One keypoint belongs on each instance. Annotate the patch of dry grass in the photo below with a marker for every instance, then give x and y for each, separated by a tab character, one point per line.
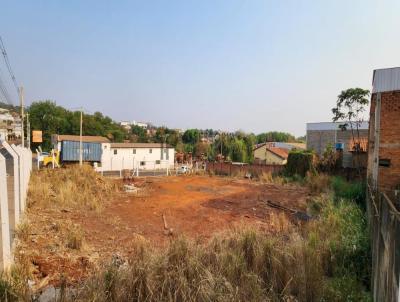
74	237
318	182
244	264
268	177
73	186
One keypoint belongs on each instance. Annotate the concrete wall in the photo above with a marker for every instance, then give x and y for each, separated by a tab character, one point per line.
15	170
319	140
116	159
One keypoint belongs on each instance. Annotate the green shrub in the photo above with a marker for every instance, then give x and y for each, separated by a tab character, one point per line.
354	191
346	288
300	162
343	235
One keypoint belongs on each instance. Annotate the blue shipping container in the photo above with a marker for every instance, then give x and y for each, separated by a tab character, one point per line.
90	151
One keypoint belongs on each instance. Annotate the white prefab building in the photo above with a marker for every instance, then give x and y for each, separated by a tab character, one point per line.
142	156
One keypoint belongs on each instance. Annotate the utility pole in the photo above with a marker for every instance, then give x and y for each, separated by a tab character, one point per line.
21	102
221	143
28	131
80	140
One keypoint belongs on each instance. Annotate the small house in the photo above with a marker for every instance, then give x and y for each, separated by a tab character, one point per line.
268	154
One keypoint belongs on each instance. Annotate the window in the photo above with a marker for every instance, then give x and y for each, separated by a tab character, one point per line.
165	150
384	162
134	151
158	162
150	151
115	151
142	163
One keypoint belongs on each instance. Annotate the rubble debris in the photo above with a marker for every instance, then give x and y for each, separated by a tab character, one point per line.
130	188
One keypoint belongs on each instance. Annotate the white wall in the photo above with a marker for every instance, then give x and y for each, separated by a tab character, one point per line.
126	159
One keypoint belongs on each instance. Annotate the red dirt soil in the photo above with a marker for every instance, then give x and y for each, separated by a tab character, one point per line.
194	206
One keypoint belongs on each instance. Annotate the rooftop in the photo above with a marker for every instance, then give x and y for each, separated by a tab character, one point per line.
334	126
386	79
85	138
281	152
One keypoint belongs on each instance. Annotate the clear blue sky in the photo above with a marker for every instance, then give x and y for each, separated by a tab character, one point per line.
250	65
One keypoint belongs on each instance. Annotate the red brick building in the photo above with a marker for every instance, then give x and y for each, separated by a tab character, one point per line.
384	130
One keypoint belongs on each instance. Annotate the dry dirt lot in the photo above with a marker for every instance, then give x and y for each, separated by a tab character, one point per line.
194	206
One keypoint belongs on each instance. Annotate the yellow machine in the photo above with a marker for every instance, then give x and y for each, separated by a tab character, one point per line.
54	156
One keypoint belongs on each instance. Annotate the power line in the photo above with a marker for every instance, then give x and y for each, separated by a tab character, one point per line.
4	52
4	92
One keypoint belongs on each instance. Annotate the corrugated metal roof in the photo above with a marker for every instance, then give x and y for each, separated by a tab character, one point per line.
333	126
387	79
139	145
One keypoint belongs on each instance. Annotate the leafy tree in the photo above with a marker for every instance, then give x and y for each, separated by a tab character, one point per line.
275	136
301	139
201	149
238	150
250	140
350	105
174	138
191	136
53	119
49	118
140	134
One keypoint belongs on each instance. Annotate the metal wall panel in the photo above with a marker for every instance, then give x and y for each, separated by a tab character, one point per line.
386	80
90	151
324	126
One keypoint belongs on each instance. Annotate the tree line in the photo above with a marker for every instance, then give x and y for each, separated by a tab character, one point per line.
207	143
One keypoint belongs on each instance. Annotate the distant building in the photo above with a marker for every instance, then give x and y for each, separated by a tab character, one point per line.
17	126
10	125
140	124
126	125
322	135
144	156
268	154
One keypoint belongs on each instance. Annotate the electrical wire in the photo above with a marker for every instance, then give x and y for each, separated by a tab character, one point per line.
4	92
10	71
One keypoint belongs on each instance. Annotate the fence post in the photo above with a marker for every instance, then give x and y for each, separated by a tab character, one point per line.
5	251
21	178
13	183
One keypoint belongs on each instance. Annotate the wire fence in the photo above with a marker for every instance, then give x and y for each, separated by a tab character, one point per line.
15	170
